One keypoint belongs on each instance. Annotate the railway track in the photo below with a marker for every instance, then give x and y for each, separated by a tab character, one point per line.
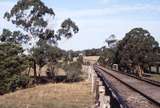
156	83
136	93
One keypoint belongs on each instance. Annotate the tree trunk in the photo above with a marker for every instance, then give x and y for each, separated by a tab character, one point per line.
39	73
29	70
140	71
52	71
35	72
157	69
149	69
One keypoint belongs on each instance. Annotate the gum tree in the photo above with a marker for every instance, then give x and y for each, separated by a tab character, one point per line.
136	49
32	17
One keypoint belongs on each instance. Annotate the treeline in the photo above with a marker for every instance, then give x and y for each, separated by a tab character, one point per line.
30	16
87	52
93	52
135	53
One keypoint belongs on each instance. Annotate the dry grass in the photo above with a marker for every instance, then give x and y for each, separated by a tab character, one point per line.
75	95
155	77
91	59
58	71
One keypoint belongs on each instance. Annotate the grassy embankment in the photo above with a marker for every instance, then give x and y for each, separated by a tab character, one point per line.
155	77
74	95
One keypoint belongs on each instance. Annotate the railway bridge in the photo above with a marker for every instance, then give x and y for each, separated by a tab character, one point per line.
128	91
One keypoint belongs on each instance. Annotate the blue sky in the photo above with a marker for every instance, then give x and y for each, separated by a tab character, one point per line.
98	19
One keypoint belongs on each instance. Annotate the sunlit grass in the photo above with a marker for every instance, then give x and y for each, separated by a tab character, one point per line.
75	95
155	77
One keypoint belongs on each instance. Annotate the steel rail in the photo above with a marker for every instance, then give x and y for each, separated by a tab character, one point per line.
117	100
131	87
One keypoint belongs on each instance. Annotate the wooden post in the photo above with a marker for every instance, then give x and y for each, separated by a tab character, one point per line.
149	69
102	101
90	72
102	97
97	91
106	102
157	69
93	82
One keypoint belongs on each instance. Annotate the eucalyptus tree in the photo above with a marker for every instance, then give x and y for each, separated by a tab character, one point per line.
32	16
108	55
15	37
46	55
111	41
135	50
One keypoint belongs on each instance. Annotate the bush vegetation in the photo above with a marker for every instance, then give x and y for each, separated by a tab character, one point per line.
73	71
30	17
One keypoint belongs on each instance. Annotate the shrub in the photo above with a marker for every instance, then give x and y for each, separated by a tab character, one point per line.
12	64
73	71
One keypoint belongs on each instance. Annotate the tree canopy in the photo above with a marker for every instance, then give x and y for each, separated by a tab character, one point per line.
15	37
32	16
111	41
108	53
136	48
12	65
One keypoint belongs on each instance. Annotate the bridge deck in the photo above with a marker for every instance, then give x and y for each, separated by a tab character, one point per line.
133	98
